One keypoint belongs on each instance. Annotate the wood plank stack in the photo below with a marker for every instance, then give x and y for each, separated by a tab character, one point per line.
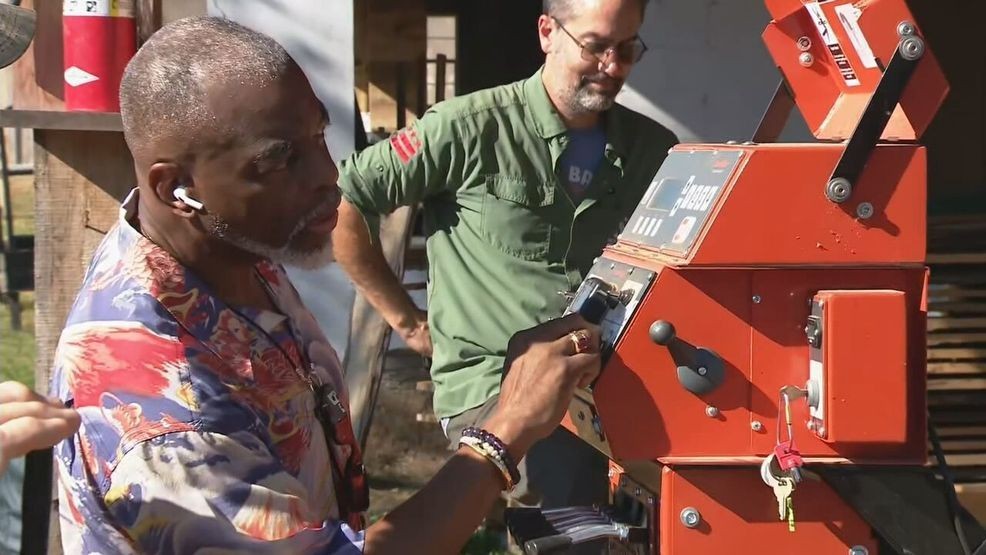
957	341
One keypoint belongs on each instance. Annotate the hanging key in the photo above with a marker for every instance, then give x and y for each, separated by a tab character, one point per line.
790	515
782	491
788	457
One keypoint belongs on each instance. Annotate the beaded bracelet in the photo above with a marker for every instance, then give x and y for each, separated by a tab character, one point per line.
499	448
489	453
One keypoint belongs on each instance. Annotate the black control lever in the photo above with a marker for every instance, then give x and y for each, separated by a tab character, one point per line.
541	532
595	306
700	370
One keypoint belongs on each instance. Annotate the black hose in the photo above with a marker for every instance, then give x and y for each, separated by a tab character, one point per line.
950	494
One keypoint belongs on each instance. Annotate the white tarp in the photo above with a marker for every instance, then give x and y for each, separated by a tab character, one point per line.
319	36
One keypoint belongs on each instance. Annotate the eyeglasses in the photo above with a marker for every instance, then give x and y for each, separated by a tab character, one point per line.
628	52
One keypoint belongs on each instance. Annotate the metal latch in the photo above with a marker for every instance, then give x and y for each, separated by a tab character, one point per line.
814	331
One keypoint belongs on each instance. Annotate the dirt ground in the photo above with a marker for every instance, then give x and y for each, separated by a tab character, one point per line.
402	454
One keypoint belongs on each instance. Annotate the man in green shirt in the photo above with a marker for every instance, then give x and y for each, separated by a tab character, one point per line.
522	186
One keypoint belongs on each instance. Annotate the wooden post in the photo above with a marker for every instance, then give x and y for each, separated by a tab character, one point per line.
369	334
80	179
82	170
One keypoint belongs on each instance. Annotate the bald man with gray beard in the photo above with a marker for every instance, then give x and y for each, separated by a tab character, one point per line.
214	412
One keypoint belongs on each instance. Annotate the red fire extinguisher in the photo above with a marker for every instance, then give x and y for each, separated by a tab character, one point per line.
100	37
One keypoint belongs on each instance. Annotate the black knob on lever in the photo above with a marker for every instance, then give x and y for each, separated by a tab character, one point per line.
700	370
662	332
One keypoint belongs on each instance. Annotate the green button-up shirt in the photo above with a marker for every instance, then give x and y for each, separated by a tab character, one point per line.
503	235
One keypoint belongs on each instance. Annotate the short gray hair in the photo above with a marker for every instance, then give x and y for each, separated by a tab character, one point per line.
563	9
163	90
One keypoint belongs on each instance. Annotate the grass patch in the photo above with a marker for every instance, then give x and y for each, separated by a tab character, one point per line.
22	200
17	347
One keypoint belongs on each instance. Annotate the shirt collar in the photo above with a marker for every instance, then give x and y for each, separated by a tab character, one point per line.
546	119
173	285
550	125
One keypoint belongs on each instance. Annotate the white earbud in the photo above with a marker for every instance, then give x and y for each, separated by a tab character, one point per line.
182	194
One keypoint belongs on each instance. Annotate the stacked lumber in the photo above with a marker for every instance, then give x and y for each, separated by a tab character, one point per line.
957	341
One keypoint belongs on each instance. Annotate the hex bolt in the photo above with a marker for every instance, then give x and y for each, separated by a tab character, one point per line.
912	48
864	211
690	517
806	59
905	28
711	412
838	190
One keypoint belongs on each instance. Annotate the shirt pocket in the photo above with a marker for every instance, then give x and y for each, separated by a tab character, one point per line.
515	216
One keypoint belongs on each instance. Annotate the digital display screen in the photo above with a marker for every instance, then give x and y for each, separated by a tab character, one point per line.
679	201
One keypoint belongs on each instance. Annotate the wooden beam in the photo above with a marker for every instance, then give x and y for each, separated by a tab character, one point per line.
80	179
148	19
369	334
952	384
952	323
51	119
935	339
957	354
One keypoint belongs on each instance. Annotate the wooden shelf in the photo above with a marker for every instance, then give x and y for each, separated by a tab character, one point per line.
69	121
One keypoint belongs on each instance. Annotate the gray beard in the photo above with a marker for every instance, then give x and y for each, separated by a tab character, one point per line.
305	260
584	101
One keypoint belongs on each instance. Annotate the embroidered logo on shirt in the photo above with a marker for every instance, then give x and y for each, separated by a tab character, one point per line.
406	145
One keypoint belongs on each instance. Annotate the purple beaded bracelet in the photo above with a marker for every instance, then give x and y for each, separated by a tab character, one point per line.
495	443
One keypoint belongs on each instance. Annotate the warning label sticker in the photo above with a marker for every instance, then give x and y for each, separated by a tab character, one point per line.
849	16
832	42
76	76
99	8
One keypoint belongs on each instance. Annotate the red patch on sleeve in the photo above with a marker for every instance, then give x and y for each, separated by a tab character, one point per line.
406	145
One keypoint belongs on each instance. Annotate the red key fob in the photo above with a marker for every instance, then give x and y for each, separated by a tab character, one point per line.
788	456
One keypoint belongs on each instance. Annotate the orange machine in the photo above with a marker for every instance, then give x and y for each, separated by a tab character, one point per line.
763	294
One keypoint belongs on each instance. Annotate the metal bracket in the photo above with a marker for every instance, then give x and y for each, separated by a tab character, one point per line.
776	116
875	117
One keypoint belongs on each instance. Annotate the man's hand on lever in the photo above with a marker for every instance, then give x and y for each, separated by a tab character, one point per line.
544	366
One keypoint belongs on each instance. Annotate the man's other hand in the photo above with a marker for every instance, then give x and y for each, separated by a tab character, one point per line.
416	334
28	422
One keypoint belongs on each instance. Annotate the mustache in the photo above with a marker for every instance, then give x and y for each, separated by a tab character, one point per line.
319	212
601	79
